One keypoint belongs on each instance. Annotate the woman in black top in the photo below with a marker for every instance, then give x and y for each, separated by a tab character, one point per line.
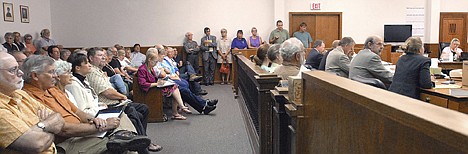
412	70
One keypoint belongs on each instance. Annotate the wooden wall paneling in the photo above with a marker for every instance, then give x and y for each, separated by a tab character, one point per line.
325	26
453	25
433	48
372	120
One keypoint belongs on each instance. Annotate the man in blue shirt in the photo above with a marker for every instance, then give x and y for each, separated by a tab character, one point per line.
303	35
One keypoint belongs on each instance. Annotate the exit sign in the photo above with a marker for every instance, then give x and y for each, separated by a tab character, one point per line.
315	6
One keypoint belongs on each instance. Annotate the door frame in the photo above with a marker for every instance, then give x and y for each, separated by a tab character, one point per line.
339	14
463	15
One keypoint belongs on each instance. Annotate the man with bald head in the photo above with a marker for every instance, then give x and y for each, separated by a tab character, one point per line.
367	62
27	125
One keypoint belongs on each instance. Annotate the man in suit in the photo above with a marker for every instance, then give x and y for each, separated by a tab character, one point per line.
315	56
338	59
209	53
367	62
325	55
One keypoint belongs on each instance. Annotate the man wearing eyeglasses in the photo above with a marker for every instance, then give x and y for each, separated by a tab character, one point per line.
367	62
208	49
27	125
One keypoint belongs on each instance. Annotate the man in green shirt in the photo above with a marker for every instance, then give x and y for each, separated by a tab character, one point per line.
303	35
279	35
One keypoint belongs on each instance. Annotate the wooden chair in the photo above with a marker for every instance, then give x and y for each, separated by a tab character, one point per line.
153	98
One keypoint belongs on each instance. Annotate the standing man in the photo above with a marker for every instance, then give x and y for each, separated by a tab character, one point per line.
339	58
208	49
367	62
303	35
279	35
315	56
192	49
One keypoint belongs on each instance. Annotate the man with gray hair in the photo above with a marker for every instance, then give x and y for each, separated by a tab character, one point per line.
192	49
44	42
27	125
339	58
367	62
292	51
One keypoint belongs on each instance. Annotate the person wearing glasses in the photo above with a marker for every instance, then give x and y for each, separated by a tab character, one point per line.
28	41
208	49
9	42
367	62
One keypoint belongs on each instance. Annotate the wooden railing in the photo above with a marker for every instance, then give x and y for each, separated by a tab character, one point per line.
254	85
338	115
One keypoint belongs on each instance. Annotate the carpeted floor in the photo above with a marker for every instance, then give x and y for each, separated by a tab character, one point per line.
221	132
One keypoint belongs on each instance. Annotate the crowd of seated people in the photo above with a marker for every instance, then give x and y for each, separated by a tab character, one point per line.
64	90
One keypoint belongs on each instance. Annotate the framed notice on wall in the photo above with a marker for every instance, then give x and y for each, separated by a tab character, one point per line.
24	13
8	14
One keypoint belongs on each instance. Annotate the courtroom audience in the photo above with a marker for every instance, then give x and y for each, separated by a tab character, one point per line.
28	41
325	55
192	49
279	35
17	41
367	62
303	35
29	126
412	70
9	42
124	62
19	56
315	55
209	56
448	52
260	58
275	58
224	54
339	58
115	78
254	41
239	42
293	55
45	41
79	128
63	72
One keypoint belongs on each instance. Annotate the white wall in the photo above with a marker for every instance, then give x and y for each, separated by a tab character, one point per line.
88	23
39	12
361	18
453	6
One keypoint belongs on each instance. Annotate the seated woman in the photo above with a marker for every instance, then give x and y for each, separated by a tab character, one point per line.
148	77
239	42
412	70
261	58
447	53
115	78
275	58
254	41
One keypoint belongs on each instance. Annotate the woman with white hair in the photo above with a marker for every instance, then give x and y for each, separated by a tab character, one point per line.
63	72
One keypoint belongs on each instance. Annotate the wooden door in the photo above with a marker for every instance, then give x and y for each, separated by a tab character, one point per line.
325	26
453	25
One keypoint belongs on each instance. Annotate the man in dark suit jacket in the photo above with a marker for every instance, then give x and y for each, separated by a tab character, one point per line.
209	53
315	56
367	62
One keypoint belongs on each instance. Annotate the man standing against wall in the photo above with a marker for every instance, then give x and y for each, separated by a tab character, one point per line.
208	48
303	35
192	49
279	35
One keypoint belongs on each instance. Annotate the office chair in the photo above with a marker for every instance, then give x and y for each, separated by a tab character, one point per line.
442	45
370	81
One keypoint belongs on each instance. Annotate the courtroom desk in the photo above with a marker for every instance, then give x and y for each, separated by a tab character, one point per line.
451	65
445	98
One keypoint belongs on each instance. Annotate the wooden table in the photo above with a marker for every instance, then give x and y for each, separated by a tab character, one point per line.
451	65
445	98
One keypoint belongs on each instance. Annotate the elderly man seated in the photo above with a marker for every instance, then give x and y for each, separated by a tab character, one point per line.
367	62
293	55
339	58
40	78
27	126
